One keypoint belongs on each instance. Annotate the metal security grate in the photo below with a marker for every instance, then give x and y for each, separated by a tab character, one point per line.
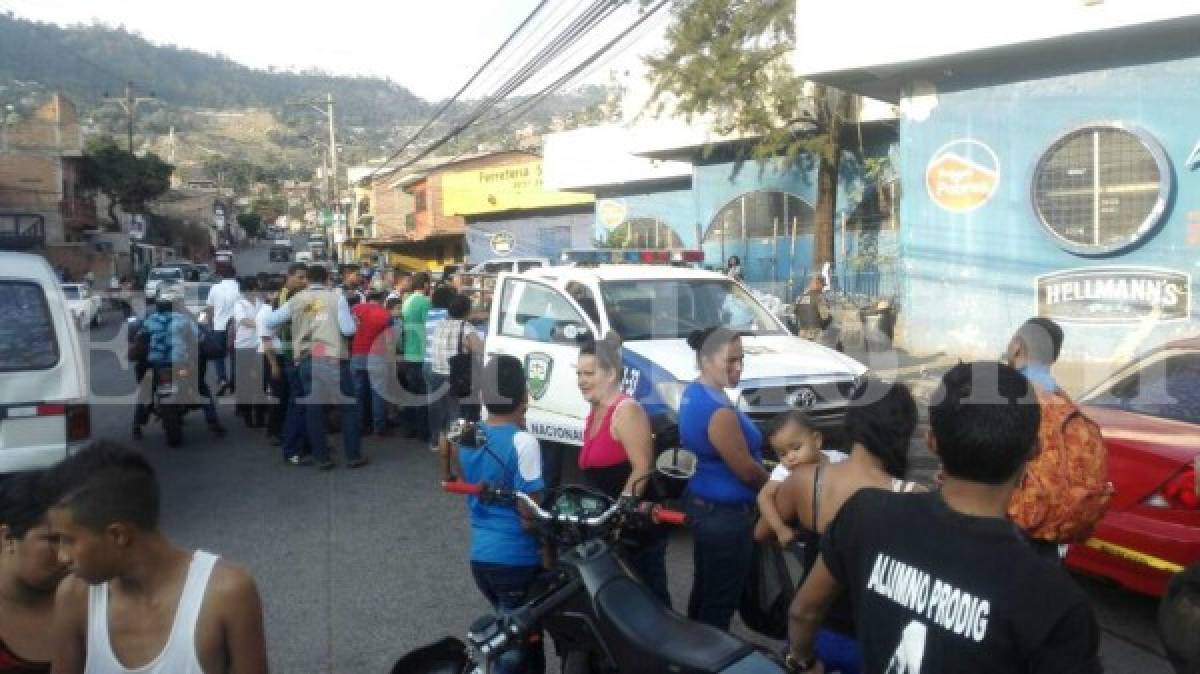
1100	188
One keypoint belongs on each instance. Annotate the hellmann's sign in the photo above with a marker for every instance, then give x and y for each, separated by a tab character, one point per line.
1115	295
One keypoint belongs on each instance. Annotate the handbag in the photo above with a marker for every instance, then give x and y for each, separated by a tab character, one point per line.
462	366
775	575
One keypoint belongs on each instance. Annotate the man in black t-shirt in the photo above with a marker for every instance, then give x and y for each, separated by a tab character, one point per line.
943	583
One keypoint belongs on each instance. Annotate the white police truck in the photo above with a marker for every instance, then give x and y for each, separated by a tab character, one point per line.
542	315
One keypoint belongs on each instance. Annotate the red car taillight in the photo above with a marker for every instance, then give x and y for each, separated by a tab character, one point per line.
1181	492
79	422
78	417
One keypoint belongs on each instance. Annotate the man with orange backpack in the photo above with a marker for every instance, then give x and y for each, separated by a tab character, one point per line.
1065	490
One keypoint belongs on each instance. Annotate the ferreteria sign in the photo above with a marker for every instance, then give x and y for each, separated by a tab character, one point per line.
504	188
1115	295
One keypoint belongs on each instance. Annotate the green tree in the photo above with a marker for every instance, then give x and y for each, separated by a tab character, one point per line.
729	59
127	180
251	223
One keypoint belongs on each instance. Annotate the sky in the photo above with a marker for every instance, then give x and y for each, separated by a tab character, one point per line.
429	47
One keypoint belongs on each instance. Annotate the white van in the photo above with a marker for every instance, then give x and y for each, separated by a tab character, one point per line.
44	408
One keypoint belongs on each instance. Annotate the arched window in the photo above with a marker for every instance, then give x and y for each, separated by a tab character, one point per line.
760	215
643	233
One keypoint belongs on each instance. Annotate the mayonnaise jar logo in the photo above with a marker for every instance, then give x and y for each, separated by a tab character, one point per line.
962	175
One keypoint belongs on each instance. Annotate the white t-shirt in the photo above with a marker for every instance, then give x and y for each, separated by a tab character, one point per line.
246	336
262	332
223	299
781	472
529	456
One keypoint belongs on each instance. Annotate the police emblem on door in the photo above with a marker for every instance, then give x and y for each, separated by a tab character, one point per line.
802	398
537	371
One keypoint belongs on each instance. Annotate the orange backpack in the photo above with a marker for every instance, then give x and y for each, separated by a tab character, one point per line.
1065	490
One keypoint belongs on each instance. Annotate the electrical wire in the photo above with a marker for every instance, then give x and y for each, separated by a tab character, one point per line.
450	101
599	11
527	106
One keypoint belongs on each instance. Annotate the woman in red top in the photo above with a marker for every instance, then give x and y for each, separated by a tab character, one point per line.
29	575
368	358
617	457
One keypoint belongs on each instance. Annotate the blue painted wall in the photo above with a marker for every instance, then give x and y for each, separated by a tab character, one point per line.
535	235
779	264
969	277
671	203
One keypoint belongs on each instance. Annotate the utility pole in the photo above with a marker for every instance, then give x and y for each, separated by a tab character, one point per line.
332	148
129	103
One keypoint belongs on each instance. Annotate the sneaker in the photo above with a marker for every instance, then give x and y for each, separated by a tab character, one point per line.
326	465
300	460
359	462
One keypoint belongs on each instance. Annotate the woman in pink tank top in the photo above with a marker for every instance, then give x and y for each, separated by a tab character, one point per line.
618	451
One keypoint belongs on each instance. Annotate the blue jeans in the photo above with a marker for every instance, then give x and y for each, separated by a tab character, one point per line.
295	433
327	381
722	552
220	360
365	394
443	407
505	588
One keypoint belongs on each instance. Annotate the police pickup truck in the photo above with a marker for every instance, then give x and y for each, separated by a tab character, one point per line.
542	316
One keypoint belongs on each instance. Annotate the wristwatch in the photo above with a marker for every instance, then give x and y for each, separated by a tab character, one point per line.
799	666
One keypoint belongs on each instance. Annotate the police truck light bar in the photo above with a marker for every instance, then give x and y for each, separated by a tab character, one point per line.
632	256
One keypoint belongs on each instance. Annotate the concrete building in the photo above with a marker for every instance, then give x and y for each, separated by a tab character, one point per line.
1048	153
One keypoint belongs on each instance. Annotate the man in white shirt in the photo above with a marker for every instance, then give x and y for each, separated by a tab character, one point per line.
222	300
247	359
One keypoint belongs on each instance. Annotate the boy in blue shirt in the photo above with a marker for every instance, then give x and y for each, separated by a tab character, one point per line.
505	555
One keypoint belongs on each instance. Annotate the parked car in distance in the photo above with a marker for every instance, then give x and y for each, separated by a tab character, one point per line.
195	297
170	274
510	264
1149	414
44	410
83	305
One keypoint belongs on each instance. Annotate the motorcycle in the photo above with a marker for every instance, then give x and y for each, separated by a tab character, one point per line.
174	389
600	618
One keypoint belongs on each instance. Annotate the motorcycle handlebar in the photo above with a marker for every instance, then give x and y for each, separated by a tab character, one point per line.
464	488
657	513
663	515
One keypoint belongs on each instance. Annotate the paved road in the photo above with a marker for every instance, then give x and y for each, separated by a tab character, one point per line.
357	567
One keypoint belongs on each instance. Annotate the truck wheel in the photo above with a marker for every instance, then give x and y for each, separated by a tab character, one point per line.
172	420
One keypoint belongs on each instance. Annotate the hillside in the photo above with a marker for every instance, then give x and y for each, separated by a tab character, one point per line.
218	108
87	61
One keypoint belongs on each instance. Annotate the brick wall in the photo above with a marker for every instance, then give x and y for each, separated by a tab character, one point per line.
390	206
437	223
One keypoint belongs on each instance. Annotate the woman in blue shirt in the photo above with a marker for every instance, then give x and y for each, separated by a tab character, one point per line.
729	473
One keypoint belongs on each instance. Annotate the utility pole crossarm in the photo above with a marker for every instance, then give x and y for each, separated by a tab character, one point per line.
129	104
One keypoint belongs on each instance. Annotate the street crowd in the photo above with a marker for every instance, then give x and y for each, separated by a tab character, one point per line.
963	575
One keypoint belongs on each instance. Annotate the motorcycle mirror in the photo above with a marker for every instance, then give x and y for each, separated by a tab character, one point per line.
676	463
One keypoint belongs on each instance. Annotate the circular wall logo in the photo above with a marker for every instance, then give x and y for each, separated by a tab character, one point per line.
611	212
962	175
503	242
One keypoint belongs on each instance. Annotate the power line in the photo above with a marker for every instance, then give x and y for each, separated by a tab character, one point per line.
450	101
549	89
599	11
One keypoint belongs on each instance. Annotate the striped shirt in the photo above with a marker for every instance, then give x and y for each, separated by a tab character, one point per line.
433	319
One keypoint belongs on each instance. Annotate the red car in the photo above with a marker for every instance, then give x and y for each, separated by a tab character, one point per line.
1149	413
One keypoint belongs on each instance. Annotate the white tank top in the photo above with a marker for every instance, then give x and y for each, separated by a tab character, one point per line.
178	656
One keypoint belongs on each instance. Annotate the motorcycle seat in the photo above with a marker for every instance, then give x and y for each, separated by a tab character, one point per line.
648	626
